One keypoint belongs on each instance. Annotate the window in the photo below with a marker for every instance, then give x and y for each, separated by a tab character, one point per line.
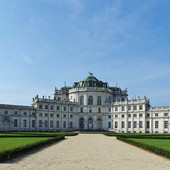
71	124
109	124
40	114
156	114
81	109
148	115
134	115
15	122
90	110
109	98
58	115
51	124
15	112
129	124
64	124
116	108
40	106
71	116
33	123
123	99
135	124
123	108
123	124
140	107
51	115
140	115
99	100
140	124
46	114
156	124
99	110
129	115
58	107
165	124
123	116
82	100
135	107
109	109
64	108
46	123
40	123
24	123
51	107
129	107
165	114
25	113
57	124
71	109
116	124
64	115
33	113
116	116
148	124
46	106
90	100
109	116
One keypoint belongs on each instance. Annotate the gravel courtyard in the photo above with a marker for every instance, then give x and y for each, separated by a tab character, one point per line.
89	151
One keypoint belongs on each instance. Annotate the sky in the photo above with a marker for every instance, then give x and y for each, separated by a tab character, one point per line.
44	43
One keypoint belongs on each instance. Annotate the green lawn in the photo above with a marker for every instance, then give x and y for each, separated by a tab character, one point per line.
160	143
12	143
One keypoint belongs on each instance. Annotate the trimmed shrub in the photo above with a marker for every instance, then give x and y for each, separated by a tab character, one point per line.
153	149
8	154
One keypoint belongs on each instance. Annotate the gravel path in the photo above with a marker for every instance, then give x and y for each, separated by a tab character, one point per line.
89	151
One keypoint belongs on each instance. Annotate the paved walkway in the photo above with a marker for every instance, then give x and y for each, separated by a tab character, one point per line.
89	151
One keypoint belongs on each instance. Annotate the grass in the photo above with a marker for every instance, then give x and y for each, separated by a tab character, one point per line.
12	143
160	143
156	143
10	147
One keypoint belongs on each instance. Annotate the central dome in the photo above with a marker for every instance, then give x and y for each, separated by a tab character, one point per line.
90	81
91	78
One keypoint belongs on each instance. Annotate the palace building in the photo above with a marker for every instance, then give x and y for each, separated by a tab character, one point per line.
89	104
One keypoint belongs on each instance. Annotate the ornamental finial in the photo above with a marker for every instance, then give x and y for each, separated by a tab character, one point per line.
91	74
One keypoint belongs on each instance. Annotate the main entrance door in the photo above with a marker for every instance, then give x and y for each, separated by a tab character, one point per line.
81	123
90	123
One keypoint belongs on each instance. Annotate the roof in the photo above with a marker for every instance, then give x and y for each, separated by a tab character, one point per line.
7	106
90	81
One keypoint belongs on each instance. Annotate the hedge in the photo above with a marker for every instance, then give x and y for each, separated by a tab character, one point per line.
141	136
35	134
153	149
11	153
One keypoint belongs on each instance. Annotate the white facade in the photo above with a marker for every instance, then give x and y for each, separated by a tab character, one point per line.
89	105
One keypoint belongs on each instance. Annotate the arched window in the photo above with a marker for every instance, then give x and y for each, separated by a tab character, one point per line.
82	100
99	110
99	100
90	100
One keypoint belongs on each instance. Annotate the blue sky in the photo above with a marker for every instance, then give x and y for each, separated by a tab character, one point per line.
44	43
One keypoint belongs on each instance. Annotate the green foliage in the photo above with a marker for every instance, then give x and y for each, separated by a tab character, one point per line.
10	153
160	143
145	146
36	134
141	136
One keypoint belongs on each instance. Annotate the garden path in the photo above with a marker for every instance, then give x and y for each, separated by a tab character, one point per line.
89	151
